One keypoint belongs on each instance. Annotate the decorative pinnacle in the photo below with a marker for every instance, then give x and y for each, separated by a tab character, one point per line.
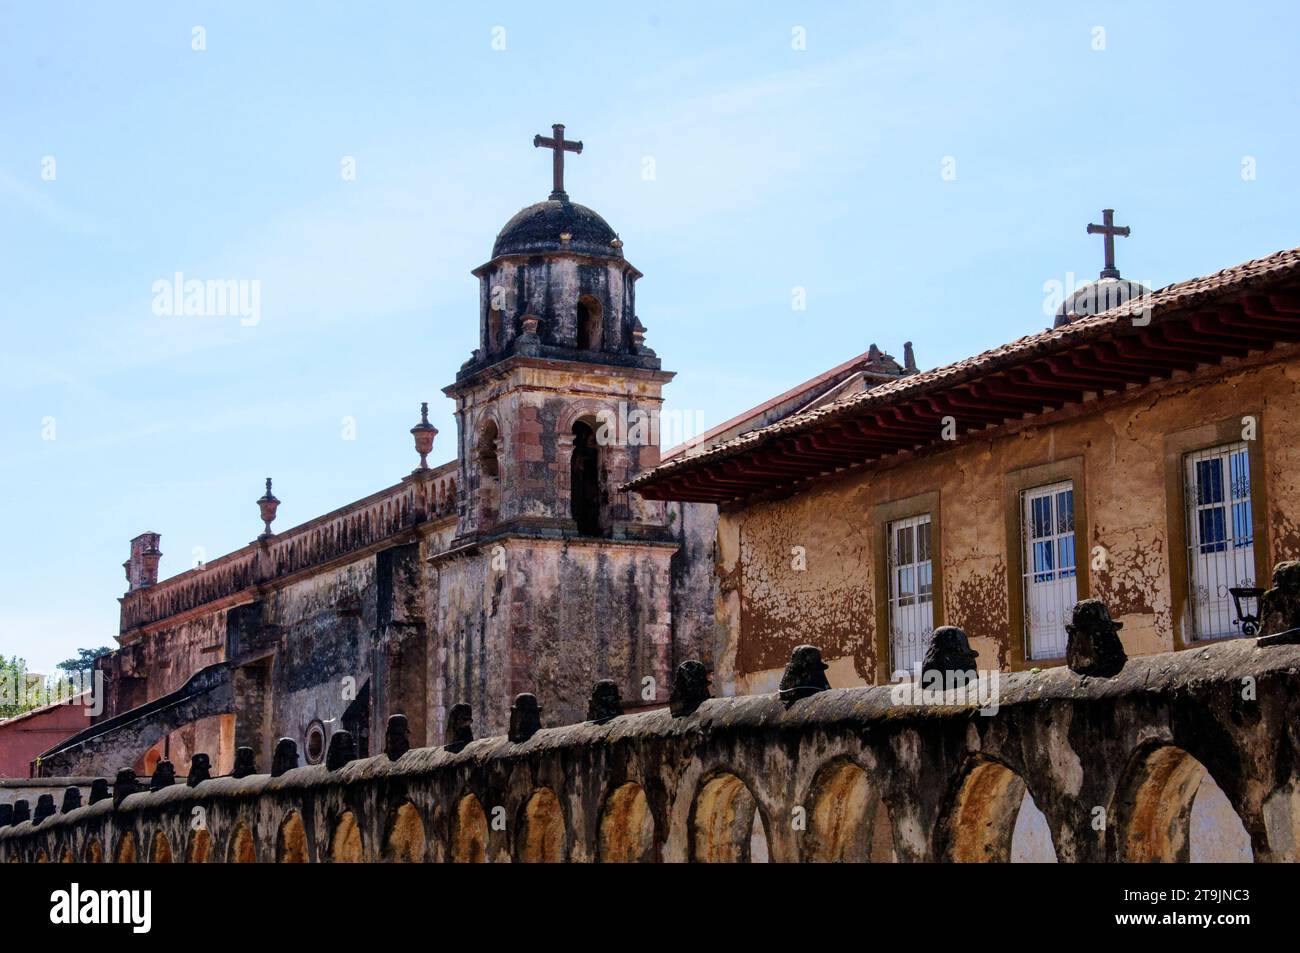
267	505
424	432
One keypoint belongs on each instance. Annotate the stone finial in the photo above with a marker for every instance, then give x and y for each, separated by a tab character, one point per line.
949	653
605	702
460	727
200	769
267	504
245	763
6	815
99	790
525	717
1093	646
44	808
909	358
805	674
342	750
1279	607
124	785
164	775
690	688
285	757
71	800
22	812
424	432
397	736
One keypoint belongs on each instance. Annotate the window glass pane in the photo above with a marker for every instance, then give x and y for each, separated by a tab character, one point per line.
1209	481
905	545
1240	475
923	573
1065	512
1065	552
1042	517
1213	530
923	542
1241	525
1042	561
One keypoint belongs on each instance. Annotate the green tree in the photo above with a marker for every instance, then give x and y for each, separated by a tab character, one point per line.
15	696
85	660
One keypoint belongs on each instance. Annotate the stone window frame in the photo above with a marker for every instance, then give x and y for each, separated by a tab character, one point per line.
1176	447
1014	484
881	515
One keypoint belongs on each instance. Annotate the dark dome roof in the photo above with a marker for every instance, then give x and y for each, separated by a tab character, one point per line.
538	229
1094	297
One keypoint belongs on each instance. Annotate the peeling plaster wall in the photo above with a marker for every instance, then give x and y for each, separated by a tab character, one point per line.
766	607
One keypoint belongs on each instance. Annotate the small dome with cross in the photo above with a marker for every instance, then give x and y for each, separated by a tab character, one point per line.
1109	290
1094	297
557	225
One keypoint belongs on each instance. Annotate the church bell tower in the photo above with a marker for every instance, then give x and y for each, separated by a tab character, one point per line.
556	577
558	406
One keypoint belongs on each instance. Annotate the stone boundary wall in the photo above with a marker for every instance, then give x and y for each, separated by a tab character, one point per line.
844	774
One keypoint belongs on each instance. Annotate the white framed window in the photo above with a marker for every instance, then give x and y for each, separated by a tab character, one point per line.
1220	536
911	592
1049	575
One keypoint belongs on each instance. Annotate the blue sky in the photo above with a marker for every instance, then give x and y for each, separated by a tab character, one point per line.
775	168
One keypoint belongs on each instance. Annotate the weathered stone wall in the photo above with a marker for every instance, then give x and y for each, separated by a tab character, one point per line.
696	635
1123	447
532	407
550	616
150	666
1113	765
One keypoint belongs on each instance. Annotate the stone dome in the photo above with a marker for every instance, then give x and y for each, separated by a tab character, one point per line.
1094	297
542	228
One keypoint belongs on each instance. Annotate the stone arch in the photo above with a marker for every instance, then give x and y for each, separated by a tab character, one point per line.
345	843
726	825
243	850
94	853
1156	817
487	452
541	829
495	330
627	827
590	324
991	817
291	847
848	820
469	836
405	843
160	851
199	848
586	479
125	853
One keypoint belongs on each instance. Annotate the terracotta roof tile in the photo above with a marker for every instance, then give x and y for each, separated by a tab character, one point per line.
1161	303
